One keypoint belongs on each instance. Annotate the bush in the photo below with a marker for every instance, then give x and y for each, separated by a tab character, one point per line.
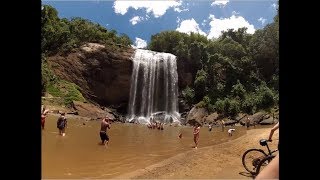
234	108
211	108
219	105
201	104
205	103
249	104
188	94
238	90
265	97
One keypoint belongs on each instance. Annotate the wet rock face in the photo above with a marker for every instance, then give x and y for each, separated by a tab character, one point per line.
102	74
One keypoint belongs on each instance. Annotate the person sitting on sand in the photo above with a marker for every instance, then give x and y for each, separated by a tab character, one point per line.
230	131
103	131
62	124
196	131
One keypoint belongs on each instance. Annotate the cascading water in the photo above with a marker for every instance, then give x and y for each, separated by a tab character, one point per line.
154	88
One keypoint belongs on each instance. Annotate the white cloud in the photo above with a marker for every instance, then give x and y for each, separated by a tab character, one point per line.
178	9
178	20
262	20
136	19
234	22
220	3
140	43
204	22
158	8
190	25
211	16
235	13
274	5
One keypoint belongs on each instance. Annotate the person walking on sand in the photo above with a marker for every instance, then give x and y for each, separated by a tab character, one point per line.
196	131
44	113
103	131
62	124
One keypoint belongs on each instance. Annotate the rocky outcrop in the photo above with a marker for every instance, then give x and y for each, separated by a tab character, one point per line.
211	118
197	114
267	121
102	73
91	111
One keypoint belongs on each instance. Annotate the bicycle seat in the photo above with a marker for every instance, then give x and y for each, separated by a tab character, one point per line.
263	142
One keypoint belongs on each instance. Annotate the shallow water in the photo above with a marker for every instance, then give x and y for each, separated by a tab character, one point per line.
131	147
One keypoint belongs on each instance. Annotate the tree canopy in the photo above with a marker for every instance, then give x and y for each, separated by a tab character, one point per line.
237	72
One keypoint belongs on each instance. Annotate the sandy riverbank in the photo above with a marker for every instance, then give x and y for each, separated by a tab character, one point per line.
222	161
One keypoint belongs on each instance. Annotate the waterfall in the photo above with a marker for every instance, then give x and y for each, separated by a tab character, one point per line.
154	88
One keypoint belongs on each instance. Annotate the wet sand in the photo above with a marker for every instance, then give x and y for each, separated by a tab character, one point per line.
222	161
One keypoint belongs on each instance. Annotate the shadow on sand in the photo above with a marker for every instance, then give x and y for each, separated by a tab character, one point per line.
247	174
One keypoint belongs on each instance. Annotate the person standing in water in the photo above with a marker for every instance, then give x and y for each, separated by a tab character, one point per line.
247	122
103	131
44	113
62	124
196	131
222	125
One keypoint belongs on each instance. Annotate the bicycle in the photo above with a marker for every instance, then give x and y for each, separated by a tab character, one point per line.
254	160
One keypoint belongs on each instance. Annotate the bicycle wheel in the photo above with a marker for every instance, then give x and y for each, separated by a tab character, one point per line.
251	159
263	163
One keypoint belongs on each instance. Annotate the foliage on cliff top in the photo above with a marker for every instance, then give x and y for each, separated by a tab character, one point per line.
64	35
237	72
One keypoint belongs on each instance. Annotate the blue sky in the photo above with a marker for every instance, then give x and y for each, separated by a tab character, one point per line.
144	18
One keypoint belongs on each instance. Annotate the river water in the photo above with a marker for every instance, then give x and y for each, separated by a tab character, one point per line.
131	147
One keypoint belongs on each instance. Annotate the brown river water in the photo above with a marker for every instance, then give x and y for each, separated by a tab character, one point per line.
131	147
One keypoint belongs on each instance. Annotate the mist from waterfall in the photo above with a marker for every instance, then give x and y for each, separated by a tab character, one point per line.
154	88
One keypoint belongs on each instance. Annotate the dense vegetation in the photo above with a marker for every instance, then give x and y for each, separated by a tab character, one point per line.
64	35
238	72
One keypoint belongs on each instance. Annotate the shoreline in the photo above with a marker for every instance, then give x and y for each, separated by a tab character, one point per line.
218	161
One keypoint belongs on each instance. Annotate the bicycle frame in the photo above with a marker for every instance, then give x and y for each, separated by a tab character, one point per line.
269	151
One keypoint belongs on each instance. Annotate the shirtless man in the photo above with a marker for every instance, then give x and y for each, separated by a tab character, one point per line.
196	131
103	131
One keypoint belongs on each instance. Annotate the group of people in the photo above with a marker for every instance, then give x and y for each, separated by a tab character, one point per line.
156	125
62	124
